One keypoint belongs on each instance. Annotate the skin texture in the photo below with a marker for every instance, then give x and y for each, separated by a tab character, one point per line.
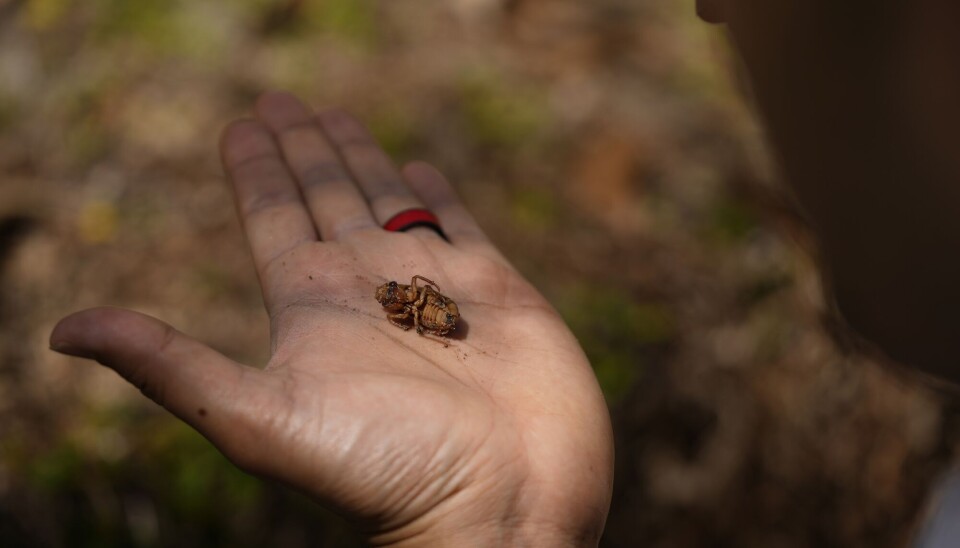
860	103
500	437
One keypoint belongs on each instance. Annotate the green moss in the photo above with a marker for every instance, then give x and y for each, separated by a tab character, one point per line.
45	14
212	279
163	27
185	486
759	289
193	476
500	114
150	21
56	469
352	21
617	333
534	208
393	129
731	221
86	142
8	112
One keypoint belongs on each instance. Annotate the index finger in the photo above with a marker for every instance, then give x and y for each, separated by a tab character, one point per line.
274	216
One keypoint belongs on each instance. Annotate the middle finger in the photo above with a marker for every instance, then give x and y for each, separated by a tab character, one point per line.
336	204
374	171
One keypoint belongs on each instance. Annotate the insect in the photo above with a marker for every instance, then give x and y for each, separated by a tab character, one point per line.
431	310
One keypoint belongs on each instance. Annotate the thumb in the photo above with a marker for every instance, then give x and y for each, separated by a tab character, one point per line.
191	380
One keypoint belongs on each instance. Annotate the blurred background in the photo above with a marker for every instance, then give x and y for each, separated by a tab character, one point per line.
607	148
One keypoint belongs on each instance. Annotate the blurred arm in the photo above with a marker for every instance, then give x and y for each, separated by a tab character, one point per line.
861	103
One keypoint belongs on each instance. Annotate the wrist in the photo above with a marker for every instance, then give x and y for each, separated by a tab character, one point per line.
493	534
571	518
574	522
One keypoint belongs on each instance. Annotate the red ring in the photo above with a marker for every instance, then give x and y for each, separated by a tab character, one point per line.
412	218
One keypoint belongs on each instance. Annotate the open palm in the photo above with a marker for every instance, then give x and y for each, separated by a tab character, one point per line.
496	434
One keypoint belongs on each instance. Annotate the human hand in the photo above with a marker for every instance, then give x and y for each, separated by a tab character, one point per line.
497	437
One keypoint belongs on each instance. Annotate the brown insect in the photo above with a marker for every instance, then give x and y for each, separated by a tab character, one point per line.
431	310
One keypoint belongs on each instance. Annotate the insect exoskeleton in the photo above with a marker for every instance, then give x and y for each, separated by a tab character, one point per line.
431	310
440	314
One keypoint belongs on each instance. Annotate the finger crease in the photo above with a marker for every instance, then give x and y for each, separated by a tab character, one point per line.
343	228
270	200
353	143
256	158
303	125
268	263
169	335
386	190
326	172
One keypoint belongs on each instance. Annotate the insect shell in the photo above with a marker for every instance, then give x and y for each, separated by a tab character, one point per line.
431	311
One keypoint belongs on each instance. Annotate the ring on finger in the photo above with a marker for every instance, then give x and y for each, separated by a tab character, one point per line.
414	218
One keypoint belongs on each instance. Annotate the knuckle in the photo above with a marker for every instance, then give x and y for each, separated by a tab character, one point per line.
245	140
151	388
323	173
255	163
303	129
168	336
145	376
269	199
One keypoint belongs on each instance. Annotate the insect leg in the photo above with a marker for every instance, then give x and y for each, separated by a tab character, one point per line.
395	319
421	298
416	320
431	282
